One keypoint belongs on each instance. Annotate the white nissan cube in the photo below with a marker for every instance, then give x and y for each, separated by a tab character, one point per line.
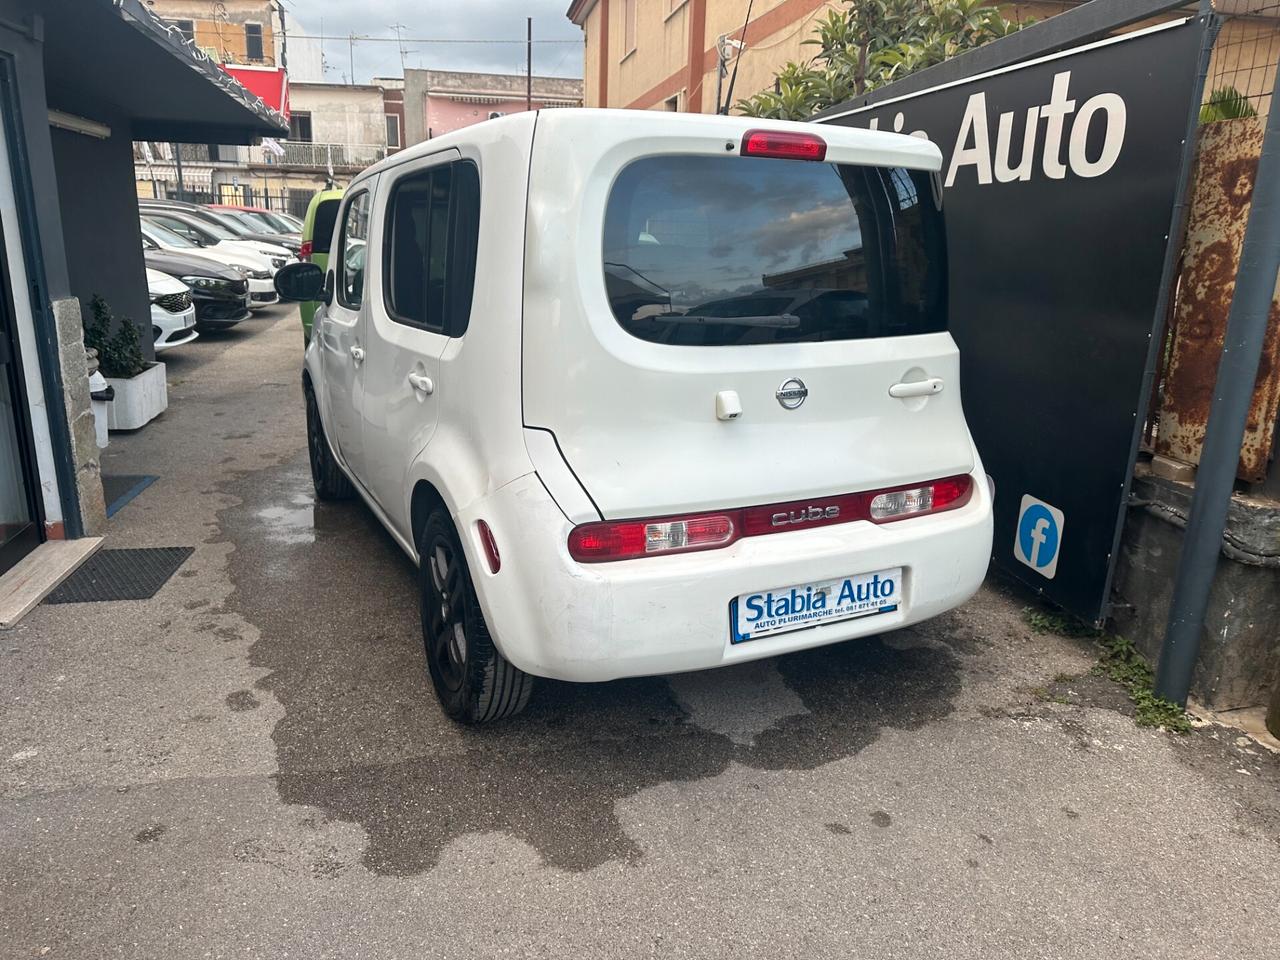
643	393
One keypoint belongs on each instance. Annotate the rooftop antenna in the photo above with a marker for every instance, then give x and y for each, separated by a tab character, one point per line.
397	27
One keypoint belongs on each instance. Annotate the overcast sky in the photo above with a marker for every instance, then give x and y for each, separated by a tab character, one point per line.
442	20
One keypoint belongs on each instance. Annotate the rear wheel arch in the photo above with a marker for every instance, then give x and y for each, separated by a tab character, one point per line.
425	498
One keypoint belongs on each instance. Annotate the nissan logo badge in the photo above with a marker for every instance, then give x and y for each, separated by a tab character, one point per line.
792	393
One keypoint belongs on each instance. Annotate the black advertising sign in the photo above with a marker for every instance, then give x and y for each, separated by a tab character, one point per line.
1059	178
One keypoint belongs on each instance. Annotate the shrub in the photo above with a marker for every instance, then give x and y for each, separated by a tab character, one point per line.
119	351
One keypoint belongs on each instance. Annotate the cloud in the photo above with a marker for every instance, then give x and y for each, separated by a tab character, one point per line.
461	20
802	235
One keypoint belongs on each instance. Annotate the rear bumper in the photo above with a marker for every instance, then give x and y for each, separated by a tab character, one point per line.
554	617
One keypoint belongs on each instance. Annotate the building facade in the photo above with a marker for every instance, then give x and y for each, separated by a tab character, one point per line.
335	131
246	32
663	54
437	102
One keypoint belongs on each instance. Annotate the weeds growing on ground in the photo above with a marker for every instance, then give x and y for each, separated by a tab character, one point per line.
1121	662
1054	621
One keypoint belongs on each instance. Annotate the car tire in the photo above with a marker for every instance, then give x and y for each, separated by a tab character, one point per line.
326	476
474	682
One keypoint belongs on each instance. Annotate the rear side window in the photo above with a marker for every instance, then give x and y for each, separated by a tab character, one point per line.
322	225
716	251
433	220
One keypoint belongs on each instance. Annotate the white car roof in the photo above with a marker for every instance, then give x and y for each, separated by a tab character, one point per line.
844	144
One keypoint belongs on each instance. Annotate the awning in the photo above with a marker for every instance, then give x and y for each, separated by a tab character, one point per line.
268	84
114	59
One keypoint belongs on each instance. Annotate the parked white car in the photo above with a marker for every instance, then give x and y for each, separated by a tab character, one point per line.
173	315
203	228
645	393
255	267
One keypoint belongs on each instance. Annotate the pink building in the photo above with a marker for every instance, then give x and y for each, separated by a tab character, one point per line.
437	102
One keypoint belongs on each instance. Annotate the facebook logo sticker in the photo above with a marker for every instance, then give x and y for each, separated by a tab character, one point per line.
1039	536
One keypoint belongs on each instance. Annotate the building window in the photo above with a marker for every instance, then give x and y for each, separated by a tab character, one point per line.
300	126
186	27
393	131
672	104
253	42
628	28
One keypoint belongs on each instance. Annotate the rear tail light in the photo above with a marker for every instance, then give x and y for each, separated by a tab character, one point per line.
629	539
304	252
783	145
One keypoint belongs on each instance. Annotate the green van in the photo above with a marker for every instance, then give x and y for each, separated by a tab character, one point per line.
317	234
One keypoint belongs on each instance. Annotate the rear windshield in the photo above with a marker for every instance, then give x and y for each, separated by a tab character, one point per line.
714	251
322	225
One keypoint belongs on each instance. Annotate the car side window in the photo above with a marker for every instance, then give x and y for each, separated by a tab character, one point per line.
433	219
352	251
182	228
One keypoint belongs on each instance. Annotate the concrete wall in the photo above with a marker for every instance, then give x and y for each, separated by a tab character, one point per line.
444	114
1239	664
339	113
99	211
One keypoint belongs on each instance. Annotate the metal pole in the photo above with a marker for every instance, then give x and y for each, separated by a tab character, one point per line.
720	53
351	56
528	71
1233	391
177	162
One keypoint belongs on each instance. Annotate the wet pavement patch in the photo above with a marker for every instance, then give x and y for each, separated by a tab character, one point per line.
363	739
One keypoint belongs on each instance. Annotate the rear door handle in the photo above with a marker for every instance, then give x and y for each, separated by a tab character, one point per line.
422	383
917	388
357	354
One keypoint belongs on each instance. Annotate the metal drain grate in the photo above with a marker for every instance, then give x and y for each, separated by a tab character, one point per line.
133	574
119	490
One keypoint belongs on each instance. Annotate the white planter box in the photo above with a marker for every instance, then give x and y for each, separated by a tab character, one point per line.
139	400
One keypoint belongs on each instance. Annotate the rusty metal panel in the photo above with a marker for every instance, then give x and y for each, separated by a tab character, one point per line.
1226	165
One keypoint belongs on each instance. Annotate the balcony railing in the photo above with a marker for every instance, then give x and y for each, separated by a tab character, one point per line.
298	154
290	153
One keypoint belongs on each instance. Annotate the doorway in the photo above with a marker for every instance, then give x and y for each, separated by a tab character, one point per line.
20	519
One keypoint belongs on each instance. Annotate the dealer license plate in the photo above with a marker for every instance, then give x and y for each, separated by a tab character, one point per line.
768	612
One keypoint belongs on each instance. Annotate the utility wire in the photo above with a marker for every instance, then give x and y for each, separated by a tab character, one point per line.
362	39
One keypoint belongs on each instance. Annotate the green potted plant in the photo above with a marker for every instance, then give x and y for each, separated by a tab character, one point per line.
141	393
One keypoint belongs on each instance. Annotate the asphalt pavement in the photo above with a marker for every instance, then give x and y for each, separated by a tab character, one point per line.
252	764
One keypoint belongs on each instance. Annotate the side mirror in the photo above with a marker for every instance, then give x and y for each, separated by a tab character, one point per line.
299	281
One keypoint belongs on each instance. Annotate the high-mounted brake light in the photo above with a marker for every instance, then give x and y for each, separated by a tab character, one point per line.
783	145
305	252
629	539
